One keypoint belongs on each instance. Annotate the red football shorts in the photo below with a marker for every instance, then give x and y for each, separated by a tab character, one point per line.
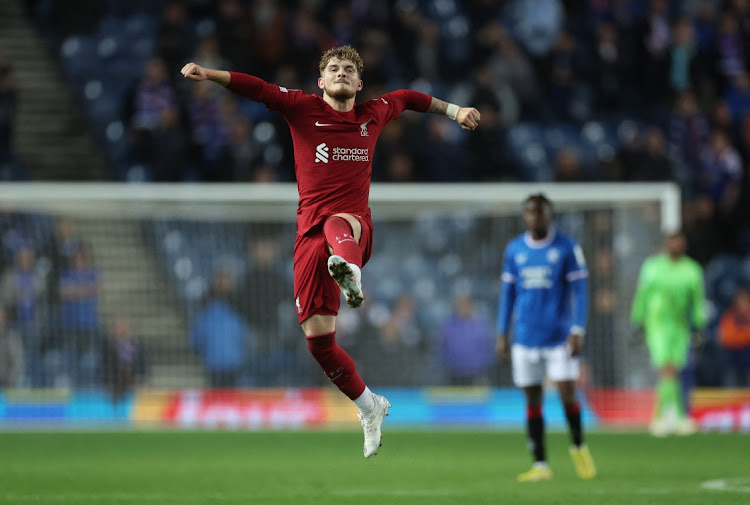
315	292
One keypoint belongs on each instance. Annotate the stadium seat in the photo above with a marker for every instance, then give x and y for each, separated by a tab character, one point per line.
141	25
111	25
195	289
743	240
559	136
600	138
745	271
524	133
627	129
382	286
79	56
182	267
450	265
173	242
103	107
537	163
108	47
593	132
721	278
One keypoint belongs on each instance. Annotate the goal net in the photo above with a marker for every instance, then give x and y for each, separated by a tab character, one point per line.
202	275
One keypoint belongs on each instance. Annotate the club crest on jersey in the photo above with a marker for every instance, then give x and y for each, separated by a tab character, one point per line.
553	255
363	129
521	258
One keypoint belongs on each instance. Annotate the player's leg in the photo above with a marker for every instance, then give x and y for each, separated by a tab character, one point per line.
535	433
528	374
657	342
317	299
667	402
343	233
687	380
579	451
669	348
336	363
679	352
564	370
339	367
567	392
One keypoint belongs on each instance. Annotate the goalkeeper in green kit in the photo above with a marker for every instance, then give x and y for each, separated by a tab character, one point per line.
669	302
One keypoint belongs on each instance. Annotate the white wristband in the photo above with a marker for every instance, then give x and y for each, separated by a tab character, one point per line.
579	330
452	110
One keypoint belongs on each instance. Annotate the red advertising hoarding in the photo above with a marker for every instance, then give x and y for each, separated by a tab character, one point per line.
714	409
723	410
235	409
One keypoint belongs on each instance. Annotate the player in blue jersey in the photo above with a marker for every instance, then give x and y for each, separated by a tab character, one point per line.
544	299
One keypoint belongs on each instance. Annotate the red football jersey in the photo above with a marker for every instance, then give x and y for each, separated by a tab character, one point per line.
332	150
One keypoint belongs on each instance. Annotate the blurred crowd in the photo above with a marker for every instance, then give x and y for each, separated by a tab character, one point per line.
242	330
677	70
248	337
50	329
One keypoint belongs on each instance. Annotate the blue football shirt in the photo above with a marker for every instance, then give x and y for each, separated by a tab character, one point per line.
544	290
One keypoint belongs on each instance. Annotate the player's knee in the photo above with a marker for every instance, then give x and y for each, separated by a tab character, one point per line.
322	347
342	223
668	371
336	220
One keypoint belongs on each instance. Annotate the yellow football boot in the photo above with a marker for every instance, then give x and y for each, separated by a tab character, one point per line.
585	467
538	472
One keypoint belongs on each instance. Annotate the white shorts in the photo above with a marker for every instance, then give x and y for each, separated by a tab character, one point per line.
531	364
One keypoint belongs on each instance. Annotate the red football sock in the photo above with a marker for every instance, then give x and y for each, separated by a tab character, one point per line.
533	411
340	237
337	364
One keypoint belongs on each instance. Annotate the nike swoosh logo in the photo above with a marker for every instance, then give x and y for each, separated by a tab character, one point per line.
322	124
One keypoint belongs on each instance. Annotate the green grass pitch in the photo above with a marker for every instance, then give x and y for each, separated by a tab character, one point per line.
327	467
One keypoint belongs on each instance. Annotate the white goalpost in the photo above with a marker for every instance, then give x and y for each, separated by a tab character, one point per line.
157	248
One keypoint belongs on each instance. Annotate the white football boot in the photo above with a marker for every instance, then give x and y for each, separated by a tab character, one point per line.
371	422
659	428
349	280
686	426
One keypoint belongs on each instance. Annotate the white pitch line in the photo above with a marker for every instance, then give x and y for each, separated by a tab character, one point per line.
636	491
138	497
163	497
400	492
736	484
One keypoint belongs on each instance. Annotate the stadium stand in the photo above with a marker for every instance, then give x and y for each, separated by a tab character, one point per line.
575	127
46	112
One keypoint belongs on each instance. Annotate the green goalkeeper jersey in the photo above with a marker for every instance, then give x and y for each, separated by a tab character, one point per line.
670	295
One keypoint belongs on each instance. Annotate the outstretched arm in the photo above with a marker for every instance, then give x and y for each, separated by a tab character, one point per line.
467	117
195	72
249	86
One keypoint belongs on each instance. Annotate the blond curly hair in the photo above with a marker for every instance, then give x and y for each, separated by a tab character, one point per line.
342	53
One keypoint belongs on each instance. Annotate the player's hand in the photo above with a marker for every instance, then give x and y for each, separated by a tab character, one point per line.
502	348
637	336
575	344
194	72
699	340
468	118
